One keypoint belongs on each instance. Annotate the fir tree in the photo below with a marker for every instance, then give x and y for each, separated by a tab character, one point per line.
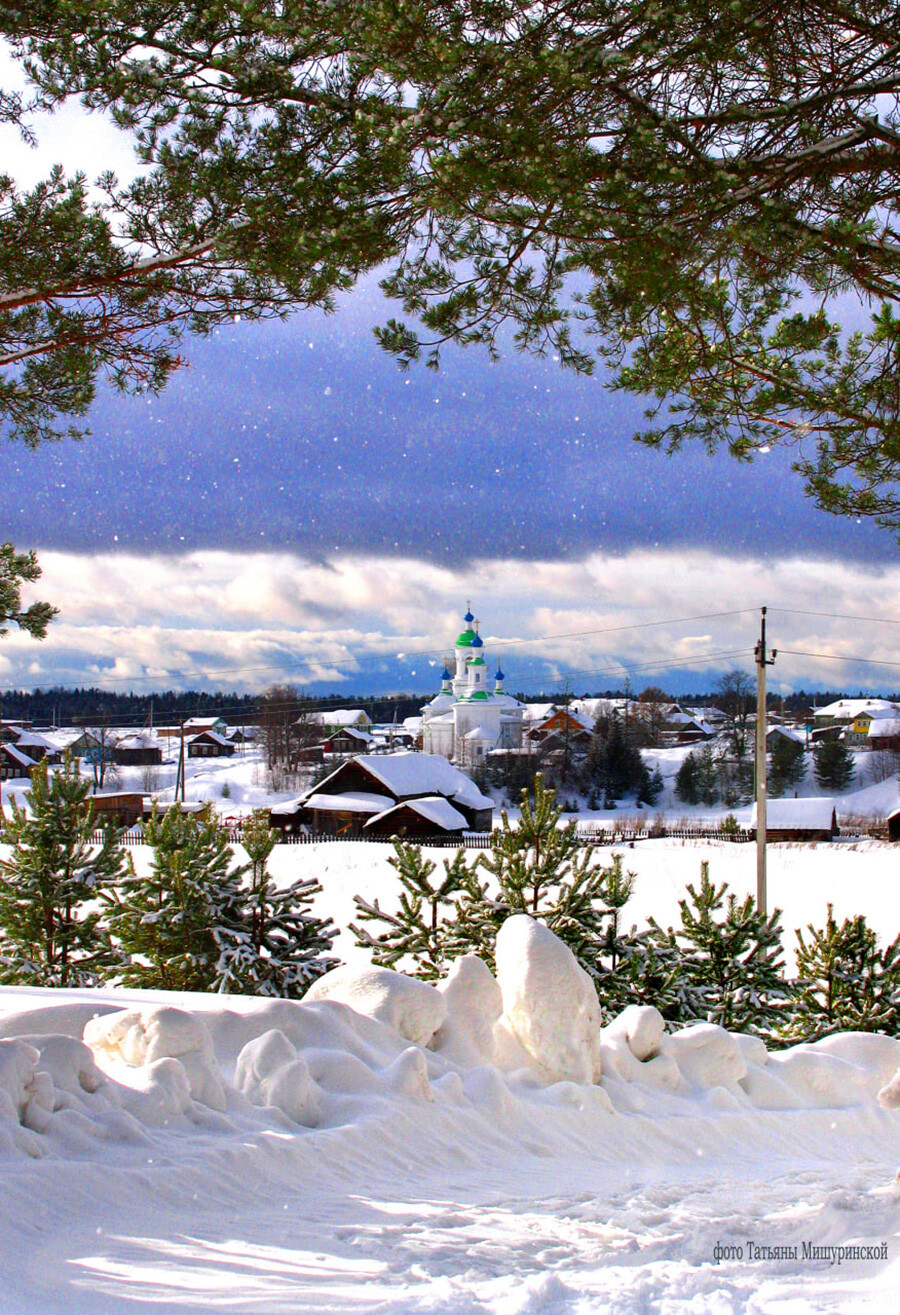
423	930
280	947
730	969
686	787
173	925
787	765
844	982
50	932
833	765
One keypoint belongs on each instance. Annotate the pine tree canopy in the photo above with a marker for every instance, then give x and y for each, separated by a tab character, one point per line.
16	569
680	188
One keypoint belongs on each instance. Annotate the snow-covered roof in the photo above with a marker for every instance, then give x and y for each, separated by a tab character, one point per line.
789	733
340	717
479	733
18	756
363	736
214	736
434	809
408	774
882	727
536	712
850	709
811	814
35	740
137	742
353	802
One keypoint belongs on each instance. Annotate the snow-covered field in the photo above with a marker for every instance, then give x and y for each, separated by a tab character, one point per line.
421	1152
416	1153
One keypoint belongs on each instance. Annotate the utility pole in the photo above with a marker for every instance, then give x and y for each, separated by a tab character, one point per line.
763	660
179	779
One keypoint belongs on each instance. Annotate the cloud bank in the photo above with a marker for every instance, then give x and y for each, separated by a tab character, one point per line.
242	621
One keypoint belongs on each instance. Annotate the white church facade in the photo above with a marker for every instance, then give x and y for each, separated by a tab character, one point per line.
468	719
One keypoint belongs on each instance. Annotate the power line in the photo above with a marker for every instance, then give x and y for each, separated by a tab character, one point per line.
836	657
835	616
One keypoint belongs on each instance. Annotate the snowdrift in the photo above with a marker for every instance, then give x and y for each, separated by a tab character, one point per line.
78	1072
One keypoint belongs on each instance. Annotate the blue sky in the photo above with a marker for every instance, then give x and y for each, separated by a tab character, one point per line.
295	507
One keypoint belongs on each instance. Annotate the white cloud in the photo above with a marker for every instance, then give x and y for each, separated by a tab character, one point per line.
234	620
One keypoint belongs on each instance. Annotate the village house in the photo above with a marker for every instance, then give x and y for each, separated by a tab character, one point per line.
137	751
361	797
210	744
14	763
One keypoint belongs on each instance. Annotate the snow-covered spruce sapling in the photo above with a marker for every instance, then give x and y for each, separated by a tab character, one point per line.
731	969
420	936
844	982
50	922
172	925
280	947
540	868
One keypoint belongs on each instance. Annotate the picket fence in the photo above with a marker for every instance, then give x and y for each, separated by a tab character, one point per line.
587	834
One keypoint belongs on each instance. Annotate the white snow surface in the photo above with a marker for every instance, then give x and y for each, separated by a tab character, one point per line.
390	1145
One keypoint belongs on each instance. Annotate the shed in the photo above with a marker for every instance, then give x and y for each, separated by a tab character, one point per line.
123	808
808	819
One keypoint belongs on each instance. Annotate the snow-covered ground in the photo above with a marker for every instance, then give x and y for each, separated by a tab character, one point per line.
200	1161
413	1154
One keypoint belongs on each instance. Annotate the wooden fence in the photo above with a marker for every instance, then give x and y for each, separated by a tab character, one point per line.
590	834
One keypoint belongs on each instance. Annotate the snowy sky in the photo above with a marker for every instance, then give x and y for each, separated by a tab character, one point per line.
295	507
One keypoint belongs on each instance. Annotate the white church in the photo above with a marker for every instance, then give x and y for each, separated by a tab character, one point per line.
466	720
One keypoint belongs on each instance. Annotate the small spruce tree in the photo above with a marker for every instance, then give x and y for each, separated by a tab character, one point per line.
537	867
730	969
173	925
844	982
422	933
279	947
50	928
686	784
787	765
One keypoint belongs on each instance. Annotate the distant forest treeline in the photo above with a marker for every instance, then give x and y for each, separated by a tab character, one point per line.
84	707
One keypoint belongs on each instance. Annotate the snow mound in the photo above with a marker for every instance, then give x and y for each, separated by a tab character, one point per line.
474	1003
271	1072
412	1008
146	1037
549	1003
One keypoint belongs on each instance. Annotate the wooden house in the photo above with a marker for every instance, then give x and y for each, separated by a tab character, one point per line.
210	744
360	798
137	751
123	809
14	763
